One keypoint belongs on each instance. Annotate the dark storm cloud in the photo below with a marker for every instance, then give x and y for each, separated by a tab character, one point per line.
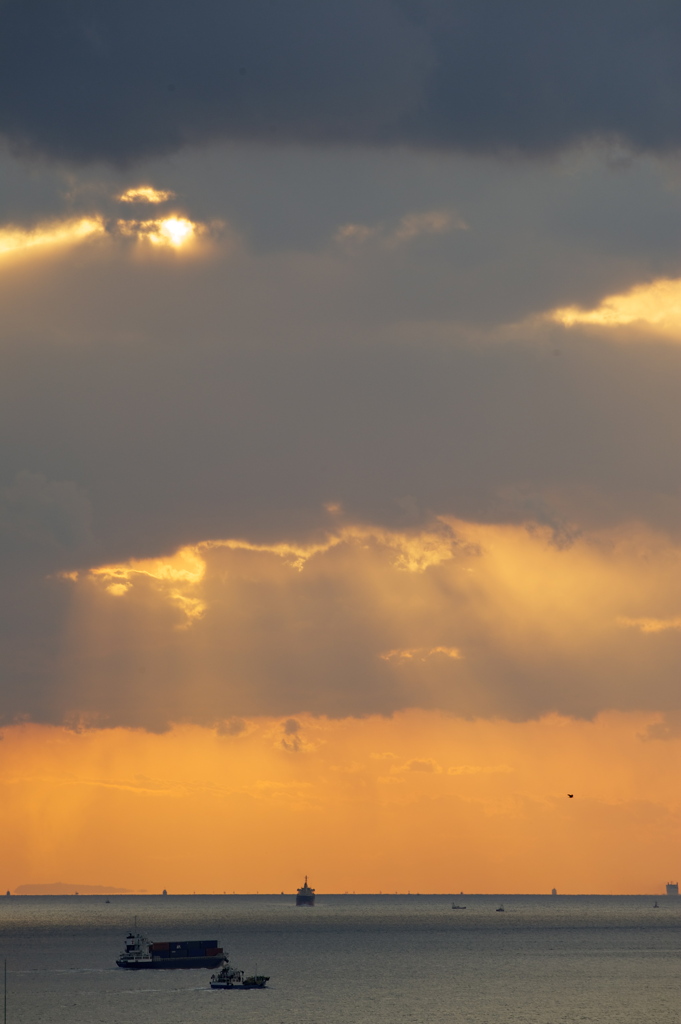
128	78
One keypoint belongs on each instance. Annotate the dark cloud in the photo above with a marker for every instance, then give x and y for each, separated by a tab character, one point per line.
175	449
43	522
129	78
237	397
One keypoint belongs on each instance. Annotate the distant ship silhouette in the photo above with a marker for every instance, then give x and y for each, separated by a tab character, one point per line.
305	896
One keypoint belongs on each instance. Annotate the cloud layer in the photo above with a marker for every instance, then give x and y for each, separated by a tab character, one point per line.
298	369
305	423
130	78
478	621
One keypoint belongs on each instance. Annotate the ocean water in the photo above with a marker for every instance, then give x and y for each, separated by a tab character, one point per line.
351	959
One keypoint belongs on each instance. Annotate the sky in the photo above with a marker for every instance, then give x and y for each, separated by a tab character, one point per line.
340	498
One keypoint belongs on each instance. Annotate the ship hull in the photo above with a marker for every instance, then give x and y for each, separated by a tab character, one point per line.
240	984
183	963
305	901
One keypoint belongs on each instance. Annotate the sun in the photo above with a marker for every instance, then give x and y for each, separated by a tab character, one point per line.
175	231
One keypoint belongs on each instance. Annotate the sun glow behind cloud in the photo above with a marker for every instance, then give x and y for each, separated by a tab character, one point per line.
177	575
145	194
172	232
656	305
180	576
53	233
473	619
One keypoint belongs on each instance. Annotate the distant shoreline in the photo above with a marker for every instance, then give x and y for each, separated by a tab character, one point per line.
22	891
69	889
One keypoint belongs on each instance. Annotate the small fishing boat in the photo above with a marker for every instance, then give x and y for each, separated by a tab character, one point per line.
500	908
255	981
457	906
227	976
231	977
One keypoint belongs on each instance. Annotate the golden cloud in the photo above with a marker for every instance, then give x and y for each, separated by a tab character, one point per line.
421	653
52	233
184	566
176	577
173	232
650	625
656	305
480	620
182	573
145	194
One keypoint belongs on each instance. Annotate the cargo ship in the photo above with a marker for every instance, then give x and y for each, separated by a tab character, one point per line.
140	954
305	897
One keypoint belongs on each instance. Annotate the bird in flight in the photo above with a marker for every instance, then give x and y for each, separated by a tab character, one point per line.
571	795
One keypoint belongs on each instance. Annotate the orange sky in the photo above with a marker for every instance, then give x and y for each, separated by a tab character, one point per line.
420	802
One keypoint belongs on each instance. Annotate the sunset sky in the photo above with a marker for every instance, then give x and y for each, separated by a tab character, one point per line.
340	444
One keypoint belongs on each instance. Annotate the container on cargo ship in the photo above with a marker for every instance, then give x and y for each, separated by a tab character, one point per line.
140	954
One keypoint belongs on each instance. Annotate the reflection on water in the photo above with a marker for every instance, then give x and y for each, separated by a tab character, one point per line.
351	959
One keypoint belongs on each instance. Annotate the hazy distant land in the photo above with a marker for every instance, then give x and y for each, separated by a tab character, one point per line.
68	889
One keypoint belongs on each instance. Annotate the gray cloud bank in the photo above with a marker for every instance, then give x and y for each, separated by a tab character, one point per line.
126	79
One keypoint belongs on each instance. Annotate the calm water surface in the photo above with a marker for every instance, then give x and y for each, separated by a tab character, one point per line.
351	959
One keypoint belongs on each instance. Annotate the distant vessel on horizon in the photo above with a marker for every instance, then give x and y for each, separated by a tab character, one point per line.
305	896
672	888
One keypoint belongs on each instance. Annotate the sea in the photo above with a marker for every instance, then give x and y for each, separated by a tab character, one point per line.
351	959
